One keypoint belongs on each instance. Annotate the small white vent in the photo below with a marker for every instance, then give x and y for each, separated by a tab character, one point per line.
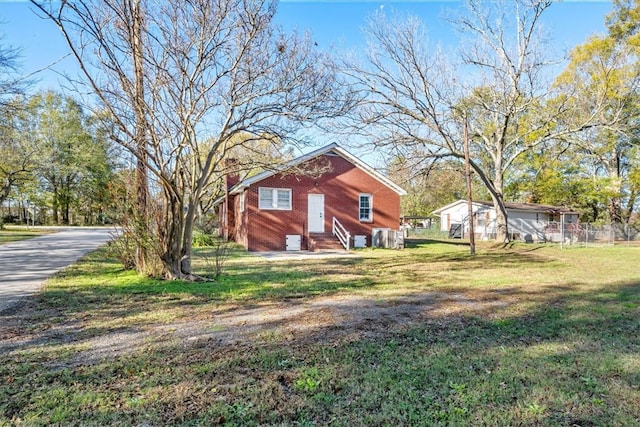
293	242
359	241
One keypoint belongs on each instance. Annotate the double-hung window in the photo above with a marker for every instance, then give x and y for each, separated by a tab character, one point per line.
274	198
366	207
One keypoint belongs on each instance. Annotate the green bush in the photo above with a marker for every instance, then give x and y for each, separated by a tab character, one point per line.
201	240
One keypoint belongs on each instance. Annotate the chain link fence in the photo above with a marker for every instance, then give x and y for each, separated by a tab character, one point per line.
599	234
579	235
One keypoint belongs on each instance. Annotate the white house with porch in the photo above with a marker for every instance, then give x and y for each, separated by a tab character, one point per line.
526	221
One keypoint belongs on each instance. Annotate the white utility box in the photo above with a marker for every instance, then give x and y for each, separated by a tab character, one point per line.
360	241
293	242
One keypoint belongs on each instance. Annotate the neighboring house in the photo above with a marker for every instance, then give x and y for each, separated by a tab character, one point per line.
307	202
526	221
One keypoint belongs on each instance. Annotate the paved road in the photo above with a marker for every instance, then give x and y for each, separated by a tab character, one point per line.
26	264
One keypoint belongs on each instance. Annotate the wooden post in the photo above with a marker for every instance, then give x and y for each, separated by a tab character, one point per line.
467	171
142	180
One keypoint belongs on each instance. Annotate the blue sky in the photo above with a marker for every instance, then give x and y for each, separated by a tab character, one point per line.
334	24
569	22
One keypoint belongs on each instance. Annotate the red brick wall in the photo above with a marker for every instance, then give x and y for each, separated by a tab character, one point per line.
240	230
266	230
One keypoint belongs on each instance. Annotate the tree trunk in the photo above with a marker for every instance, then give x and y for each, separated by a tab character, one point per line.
54	205
171	239
502	225
65	213
615	210
5	190
595	211
615	202
188	238
65	196
631	202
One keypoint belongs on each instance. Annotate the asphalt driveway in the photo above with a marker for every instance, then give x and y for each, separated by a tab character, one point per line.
26	264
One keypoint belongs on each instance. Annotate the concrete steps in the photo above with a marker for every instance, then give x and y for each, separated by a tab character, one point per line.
324	241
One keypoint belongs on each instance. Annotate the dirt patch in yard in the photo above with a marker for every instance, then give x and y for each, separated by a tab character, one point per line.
322	320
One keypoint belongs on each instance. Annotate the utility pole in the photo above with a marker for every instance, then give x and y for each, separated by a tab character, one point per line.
467	172
142	184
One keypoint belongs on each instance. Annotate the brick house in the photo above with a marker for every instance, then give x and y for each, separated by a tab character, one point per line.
310	203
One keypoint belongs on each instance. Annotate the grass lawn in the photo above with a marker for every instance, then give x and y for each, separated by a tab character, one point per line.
523	335
13	234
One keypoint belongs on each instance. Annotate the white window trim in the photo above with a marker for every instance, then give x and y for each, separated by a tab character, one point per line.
274	199
370	218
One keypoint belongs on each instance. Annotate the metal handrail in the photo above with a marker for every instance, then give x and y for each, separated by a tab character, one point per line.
341	233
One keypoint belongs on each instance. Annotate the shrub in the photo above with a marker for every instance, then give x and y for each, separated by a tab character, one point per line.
201	239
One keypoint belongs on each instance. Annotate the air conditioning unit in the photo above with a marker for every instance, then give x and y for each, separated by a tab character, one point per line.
387	238
399	240
377	237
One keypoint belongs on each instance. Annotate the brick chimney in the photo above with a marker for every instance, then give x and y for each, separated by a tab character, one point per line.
231	176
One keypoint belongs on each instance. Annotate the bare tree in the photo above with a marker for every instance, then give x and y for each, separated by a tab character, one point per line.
417	96
177	74
12	84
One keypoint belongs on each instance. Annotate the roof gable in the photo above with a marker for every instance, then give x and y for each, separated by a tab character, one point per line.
535	207
513	206
460	202
331	149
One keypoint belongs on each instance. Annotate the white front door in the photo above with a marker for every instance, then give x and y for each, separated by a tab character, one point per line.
316	213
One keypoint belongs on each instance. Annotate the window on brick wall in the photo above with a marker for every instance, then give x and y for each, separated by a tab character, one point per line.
366	207
242	202
274	198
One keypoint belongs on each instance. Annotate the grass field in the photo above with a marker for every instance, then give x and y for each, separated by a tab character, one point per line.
13	234
523	335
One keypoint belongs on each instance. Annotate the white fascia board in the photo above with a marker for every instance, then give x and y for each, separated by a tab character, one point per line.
476	205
